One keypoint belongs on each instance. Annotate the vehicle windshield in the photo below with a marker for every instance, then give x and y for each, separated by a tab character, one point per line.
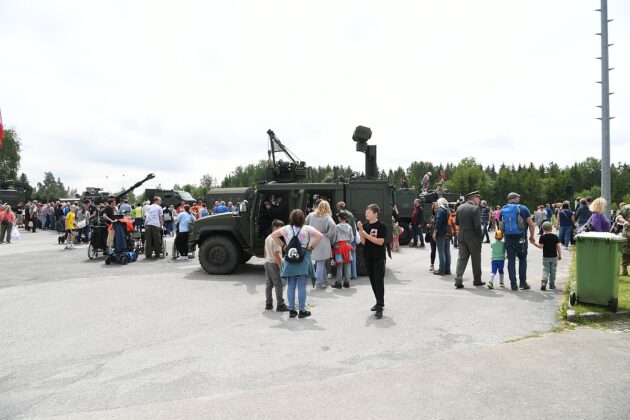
185	195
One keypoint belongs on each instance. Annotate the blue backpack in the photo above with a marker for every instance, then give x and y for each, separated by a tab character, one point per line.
513	224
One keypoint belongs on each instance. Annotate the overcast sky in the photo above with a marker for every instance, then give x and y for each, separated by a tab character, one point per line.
181	89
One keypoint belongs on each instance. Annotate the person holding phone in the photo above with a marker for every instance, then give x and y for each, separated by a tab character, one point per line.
373	235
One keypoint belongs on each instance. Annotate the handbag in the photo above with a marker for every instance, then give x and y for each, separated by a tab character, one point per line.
81	224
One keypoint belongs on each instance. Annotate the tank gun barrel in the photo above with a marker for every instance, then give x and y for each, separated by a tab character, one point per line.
133	187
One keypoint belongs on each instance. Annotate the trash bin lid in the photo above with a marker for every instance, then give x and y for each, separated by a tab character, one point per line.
601	236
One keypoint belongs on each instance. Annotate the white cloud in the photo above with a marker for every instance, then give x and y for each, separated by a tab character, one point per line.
188	88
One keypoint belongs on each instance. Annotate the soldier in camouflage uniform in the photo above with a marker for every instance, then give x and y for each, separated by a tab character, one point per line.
624	217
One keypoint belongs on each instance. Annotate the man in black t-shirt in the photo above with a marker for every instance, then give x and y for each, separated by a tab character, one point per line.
110	211
550	244
373	235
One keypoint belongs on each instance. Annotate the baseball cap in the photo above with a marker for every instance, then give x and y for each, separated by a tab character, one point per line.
512	195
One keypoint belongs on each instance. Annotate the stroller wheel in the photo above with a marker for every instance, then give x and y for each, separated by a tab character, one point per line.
124	260
108	260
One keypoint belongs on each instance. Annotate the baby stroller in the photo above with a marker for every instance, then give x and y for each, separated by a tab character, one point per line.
98	241
124	251
138	237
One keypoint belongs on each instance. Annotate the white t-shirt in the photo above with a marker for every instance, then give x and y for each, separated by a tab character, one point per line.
152	216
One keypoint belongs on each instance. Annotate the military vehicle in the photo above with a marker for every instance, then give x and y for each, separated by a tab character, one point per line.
14	192
404	198
169	197
235	195
229	239
95	195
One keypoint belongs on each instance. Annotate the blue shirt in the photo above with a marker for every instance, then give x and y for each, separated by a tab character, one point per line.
66	210
203	212
183	220
441	221
548	211
221	209
565	217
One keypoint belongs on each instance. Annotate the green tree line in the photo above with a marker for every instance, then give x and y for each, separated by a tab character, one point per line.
536	184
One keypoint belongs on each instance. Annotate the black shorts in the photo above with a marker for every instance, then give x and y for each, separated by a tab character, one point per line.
70	231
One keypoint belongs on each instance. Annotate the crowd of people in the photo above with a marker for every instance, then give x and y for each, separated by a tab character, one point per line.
466	226
303	249
309	245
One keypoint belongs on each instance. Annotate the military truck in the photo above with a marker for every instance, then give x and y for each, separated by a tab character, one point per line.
404	198
235	195
169	197
14	192
229	239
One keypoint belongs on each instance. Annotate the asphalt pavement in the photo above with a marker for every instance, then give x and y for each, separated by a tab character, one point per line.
164	339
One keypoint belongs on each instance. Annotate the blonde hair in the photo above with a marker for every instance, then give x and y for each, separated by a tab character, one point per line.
598	205
323	209
7	208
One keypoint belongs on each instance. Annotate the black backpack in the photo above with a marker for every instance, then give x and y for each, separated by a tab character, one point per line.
295	252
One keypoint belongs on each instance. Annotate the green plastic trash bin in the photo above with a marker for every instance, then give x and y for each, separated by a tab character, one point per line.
597	269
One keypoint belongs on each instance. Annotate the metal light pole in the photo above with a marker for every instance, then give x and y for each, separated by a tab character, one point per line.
605	106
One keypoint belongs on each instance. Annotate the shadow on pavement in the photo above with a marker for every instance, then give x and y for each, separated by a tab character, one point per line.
385	322
297	324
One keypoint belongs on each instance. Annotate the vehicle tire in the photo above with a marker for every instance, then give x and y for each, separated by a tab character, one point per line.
614	304
124	260
108	260
572	299
92	252
218	255
244	257
404	237
361	267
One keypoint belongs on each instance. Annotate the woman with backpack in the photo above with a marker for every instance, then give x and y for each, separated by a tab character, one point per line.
566	222
297	268
441	237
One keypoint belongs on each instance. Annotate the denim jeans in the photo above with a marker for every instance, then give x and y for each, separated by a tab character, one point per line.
343	271
83	233
300	282
415	232
320	272
443	246
516	249
565	235
353	264
550	265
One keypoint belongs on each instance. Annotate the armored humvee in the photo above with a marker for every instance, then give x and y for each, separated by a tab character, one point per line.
229	239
